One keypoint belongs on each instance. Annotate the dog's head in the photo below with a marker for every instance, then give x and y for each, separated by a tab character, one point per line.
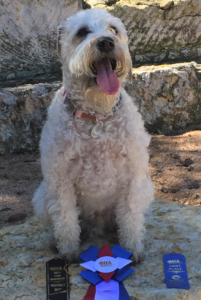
93	45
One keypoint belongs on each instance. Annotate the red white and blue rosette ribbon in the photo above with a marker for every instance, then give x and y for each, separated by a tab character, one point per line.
105	271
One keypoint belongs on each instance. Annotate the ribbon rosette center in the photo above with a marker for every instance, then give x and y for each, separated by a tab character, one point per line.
105	270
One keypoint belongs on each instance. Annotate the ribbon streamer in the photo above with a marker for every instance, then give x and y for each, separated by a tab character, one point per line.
105	270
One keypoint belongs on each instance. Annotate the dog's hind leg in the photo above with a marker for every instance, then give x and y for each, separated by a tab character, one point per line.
39	201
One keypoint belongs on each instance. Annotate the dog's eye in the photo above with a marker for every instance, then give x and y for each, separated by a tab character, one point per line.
114	30
82	32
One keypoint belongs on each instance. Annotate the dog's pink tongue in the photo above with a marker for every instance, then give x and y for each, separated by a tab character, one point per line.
106	78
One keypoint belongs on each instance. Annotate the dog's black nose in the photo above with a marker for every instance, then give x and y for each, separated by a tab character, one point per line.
105	44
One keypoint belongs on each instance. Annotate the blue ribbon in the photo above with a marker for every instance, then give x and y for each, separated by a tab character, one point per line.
91	254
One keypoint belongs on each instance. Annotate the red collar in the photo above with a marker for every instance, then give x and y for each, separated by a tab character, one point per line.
88	116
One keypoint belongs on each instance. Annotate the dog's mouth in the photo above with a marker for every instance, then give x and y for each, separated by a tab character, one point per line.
106	77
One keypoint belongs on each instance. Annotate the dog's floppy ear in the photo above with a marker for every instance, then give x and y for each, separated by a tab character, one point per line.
60	31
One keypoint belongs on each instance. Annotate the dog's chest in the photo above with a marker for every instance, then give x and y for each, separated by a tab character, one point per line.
101	163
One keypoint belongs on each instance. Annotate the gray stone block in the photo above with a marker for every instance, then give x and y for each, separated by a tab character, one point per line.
168	96
28	35
22	115
159	30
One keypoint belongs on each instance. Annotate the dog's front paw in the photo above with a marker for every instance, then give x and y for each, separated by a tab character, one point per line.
71	254
137	249
71	257
137	257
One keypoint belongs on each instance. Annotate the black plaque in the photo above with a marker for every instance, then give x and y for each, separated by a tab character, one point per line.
57	280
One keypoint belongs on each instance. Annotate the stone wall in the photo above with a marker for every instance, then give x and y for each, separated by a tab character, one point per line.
159	30
163	31
22	115
28	35
28	39
168	96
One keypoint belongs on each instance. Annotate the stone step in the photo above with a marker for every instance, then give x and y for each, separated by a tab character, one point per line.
23	112
168	97
26	248
159	30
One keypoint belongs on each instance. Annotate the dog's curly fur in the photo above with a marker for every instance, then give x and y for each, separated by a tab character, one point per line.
93	171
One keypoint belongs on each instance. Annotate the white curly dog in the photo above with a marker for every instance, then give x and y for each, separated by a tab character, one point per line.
94	146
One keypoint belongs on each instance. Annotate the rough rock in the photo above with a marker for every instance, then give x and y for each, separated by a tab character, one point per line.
28	35
25	249
159	30
22	115
168	96
16	217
